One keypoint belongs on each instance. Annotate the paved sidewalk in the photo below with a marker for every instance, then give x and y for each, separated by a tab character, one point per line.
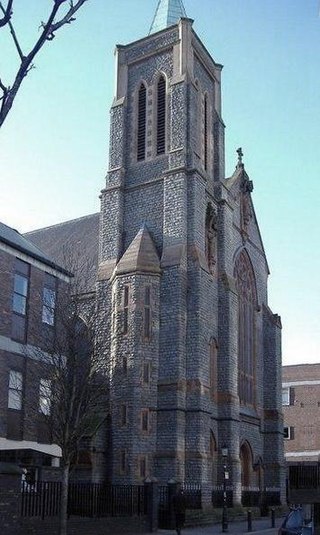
259	526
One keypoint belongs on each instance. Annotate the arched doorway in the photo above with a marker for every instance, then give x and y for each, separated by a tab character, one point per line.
246	465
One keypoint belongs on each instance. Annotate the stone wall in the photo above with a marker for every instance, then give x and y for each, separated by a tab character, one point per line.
10	501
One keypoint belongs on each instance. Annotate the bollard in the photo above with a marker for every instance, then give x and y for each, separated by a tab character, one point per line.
249	520
273	517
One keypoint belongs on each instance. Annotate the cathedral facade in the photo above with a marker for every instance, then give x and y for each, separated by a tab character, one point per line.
194	350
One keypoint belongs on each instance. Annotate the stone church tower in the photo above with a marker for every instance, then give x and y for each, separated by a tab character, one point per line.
194	350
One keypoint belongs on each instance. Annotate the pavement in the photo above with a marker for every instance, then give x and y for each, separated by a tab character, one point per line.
259	526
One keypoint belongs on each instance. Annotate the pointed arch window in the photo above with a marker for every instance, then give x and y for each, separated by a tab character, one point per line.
247	299
142	122
213	349
205	132
161	116
147	313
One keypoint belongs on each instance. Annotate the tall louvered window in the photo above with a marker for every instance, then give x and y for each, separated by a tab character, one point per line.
161	116
205	131
142	120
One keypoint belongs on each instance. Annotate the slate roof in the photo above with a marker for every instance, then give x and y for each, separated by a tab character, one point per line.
14	239
77	239
168	12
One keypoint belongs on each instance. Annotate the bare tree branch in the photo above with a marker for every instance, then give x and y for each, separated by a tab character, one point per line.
68	18
7	13
15	40
47	34
71	373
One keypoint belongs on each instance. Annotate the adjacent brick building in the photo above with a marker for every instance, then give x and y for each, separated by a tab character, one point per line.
301	411
29	283
193	348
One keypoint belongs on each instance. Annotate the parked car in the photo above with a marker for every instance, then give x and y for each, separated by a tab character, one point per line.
295	524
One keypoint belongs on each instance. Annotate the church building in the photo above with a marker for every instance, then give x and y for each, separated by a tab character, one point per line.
193	349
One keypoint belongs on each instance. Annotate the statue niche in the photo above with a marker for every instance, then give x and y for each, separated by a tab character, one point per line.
211	237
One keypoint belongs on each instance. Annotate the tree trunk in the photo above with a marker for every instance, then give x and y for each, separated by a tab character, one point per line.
64	499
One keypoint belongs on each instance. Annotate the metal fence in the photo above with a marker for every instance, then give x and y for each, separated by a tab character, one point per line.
249	498
192	493
98	500
84	499
304	476
41	499
193	497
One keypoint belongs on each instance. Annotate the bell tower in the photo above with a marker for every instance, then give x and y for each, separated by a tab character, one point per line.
176	240
166	155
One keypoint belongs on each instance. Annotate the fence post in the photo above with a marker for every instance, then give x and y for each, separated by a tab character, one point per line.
249	520
151	490
172	489
263	504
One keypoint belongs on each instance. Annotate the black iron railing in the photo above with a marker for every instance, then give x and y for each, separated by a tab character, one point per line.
84	499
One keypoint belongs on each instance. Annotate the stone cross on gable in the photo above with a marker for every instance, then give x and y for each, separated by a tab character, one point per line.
240	155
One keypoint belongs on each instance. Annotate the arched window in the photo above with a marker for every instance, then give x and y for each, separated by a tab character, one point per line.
205	132
142	122
213	347
161	116
247	299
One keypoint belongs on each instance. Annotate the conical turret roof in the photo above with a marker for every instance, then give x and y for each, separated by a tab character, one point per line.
168	12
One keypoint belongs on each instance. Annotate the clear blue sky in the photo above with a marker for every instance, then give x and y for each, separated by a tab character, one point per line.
54	146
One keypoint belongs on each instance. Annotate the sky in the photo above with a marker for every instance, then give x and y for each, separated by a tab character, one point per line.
54	144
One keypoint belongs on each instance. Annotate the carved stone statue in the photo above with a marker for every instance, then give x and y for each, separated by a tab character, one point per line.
211	237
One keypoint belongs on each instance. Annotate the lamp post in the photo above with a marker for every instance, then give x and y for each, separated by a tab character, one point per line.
224	452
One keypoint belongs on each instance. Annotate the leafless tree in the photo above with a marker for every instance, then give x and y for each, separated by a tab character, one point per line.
73	371
59	16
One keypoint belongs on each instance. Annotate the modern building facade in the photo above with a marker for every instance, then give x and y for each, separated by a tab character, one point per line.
301	406
194	350
29	285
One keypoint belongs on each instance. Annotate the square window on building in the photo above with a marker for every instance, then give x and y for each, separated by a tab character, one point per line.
285	396
45	396
288	396
15	390
49	300
20	300
288	433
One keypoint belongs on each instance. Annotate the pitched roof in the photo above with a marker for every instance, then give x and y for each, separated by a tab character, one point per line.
14	239
168	12
141	255
76	239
